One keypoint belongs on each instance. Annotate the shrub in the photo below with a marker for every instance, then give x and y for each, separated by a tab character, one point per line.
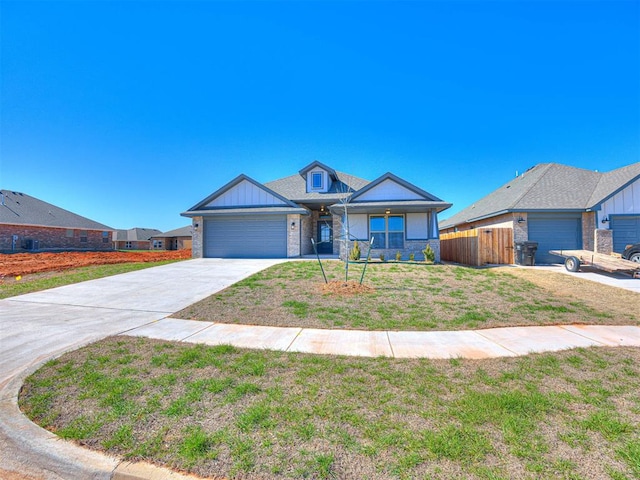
398	256
412	257
354	255
429	254
382	257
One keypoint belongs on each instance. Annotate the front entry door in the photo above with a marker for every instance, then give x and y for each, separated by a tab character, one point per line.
325	237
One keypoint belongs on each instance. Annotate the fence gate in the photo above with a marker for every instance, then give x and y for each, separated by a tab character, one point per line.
478	246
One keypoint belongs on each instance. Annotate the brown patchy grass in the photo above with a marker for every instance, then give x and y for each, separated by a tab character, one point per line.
227	412
415	297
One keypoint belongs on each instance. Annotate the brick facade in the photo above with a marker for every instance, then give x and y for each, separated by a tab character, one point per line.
33	238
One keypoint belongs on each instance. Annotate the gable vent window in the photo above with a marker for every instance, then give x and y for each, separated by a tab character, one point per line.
316	181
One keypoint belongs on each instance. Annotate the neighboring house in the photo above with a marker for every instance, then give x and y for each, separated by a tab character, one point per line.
561	207
30	224
247	219
178	239
134	238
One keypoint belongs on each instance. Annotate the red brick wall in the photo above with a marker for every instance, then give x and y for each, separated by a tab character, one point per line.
53	238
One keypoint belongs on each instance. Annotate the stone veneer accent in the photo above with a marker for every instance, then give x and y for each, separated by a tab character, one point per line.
293	235
603	241
54	238
588	228
197	248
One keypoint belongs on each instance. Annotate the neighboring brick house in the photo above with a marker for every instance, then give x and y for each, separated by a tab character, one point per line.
561	208
248	219
30	224
134	238
178	239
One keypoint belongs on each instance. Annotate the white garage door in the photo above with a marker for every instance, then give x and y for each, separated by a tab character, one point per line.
246	237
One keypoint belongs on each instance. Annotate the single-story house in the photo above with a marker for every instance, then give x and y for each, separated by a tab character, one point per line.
30	224
561	207
178	239
279	219
134	238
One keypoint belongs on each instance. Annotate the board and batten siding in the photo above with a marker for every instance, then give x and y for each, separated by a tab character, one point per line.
243	194
627	201
416	225
359	226
388	189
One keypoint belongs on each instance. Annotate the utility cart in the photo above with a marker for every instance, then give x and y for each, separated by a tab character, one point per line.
600	261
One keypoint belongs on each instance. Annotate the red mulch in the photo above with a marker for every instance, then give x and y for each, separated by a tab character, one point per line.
25	263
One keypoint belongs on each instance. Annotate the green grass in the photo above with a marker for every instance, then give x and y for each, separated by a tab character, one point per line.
403	297
231	412
59	279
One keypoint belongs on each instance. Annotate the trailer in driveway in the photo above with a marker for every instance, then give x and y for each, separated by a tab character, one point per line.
574	259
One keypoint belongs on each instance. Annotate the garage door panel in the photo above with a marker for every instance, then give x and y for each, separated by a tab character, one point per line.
626	231
245	237
554	232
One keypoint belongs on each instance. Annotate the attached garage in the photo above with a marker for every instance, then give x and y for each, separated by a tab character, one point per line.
554	231
626	231
264	236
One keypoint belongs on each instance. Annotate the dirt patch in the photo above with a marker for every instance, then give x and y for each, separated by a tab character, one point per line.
12	265
345	288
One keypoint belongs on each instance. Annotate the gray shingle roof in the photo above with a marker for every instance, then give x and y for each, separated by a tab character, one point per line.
178	232
18	208
295	188
135	234
548	187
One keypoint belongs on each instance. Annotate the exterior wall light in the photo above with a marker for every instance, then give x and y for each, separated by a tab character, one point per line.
521	220
605	220
293	225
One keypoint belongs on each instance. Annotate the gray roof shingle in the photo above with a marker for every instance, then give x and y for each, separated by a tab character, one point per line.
18	208
178	232
294	188
548	187
135	234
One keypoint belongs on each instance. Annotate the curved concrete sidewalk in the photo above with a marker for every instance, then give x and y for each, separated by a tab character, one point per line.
40	326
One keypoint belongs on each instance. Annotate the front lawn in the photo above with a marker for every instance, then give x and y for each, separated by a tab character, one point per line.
416	297
232	413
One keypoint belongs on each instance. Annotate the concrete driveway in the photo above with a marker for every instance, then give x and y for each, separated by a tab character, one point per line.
38	326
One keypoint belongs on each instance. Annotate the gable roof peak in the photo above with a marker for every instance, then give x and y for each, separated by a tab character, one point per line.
315	164
399	181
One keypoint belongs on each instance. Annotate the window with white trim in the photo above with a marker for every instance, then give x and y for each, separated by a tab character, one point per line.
387	231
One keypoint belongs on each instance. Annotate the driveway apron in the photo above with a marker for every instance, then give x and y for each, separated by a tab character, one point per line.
42	325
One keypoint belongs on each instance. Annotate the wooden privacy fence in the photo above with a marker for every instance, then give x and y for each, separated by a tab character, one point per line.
478	246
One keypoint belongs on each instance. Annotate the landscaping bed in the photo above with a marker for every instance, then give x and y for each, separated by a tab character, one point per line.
414	297
15	264
223	412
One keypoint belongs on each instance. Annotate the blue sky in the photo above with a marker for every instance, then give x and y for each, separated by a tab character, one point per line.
131	112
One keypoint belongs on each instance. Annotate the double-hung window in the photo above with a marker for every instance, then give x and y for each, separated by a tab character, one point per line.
387	231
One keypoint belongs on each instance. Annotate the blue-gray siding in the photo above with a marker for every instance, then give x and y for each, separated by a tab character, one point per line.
554	231
626	231
246	237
